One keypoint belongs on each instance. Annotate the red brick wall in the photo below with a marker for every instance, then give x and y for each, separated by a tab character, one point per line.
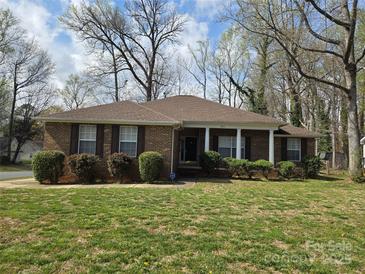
310	148
107	140
159	138
57	137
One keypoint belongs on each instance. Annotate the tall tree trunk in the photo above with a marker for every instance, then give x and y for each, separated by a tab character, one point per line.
263	67
353	123
17	150
295	104
115	72
343	121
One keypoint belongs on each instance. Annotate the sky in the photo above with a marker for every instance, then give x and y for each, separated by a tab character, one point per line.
40	19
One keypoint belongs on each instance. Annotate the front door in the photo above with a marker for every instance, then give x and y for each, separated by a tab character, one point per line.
191	148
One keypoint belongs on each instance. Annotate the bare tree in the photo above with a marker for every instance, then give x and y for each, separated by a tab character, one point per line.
139	34
109	64
27	66
10	32
77	92
38	98
200	64
284	21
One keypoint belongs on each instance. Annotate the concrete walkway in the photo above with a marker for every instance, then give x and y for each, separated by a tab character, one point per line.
4	175
30	183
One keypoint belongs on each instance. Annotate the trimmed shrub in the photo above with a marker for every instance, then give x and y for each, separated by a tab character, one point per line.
236	167
84	166
286	168
262	165
312	166
150	166
48	165
119	165
209	161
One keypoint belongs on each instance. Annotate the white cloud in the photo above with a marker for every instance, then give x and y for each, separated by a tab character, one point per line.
210	8
69	56
194	31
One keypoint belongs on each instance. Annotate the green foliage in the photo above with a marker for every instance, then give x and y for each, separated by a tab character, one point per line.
236	167
286	168
358	179
312	166
209	161
48	165
84	166
324	124
118	165
150	165
262	165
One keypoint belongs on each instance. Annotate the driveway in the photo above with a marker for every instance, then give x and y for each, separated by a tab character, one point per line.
5	175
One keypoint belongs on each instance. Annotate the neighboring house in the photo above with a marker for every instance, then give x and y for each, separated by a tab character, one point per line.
26	152
180	128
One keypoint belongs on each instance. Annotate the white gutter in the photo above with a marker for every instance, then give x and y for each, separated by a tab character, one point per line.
296	136
230	125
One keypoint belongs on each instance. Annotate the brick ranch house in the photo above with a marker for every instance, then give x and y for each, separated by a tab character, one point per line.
180	128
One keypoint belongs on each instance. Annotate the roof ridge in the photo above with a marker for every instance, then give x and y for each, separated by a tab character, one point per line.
157	112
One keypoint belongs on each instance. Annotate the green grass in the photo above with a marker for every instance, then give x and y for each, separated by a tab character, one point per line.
211	227
16	167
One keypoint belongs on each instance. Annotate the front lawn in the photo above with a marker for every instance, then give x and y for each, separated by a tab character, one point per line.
311	226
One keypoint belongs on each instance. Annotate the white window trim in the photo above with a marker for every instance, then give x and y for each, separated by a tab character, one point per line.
86	140
300	149
120	136
233	144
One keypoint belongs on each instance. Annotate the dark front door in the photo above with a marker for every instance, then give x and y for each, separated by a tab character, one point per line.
190	148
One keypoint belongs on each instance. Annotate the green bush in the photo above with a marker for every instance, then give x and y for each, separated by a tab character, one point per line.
48	165
84	166
286	168
119	165
262	165
209	161
236	167
150	165
312	166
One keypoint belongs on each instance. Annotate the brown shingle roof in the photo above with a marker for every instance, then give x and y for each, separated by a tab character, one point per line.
171	111
125	111
189	108
298	132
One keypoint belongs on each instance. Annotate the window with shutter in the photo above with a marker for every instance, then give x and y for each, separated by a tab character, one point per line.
128	136
293	149
87	139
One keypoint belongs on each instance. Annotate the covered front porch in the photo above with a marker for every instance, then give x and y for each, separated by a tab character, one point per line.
240	143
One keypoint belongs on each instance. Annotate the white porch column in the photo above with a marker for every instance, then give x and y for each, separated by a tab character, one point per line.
238	144
206	144
271	146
